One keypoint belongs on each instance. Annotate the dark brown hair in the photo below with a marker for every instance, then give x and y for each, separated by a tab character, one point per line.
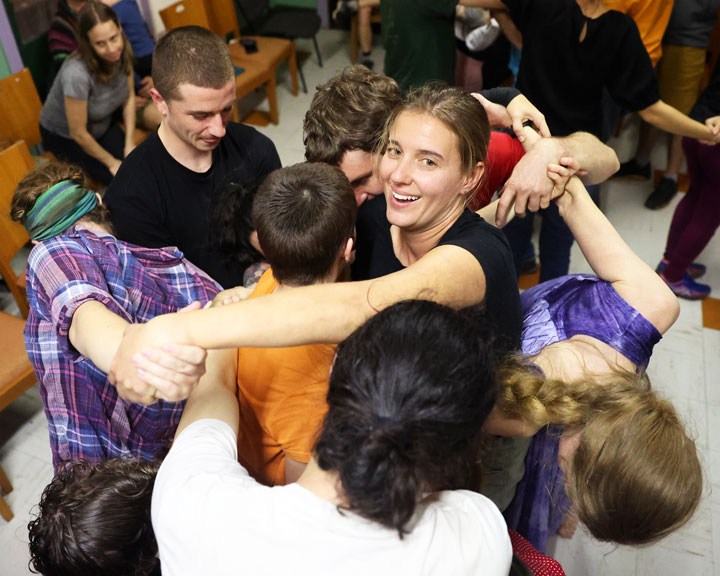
90	15
95	519
190	55
349	113
303	215
37	182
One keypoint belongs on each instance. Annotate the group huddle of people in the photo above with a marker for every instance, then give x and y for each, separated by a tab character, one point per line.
333	359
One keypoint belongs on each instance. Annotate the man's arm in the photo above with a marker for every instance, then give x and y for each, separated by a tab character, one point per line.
530	188
215	395
673	121
96	333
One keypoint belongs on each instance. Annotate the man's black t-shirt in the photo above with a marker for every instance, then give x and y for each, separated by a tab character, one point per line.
375	257
564	77
155	201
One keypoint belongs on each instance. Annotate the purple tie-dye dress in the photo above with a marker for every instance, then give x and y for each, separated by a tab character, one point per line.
555	311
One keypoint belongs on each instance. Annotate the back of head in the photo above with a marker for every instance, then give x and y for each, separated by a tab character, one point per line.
636	475
409	392
303	215
95	519
190	55
349	113
91	14
462	114
65	200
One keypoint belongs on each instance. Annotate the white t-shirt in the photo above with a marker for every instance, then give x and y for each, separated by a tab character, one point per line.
210	517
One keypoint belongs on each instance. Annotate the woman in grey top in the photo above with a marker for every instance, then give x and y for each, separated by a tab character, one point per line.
78	121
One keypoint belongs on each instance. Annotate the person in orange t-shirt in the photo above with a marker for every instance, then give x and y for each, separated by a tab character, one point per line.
651	18
305	219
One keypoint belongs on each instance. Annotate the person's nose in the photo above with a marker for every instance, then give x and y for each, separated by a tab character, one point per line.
217	126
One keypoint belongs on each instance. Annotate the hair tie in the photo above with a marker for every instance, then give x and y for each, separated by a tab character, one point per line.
58	208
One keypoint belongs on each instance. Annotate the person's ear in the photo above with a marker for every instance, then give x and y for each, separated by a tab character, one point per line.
347	251
472	180
99	198
160	102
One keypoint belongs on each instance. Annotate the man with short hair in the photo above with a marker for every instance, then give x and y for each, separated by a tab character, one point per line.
166	191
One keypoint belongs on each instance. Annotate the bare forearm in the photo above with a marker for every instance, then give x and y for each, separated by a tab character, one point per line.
129	120
673	121
613	260
86	141
595	159
215	394
96	333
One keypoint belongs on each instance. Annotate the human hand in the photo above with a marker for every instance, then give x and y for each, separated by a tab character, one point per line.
231	296
148	366
713	125
498	115
561	173
114	165
521	110
529	187
146	84
140	101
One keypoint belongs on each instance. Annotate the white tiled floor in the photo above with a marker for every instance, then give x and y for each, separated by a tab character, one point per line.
686	367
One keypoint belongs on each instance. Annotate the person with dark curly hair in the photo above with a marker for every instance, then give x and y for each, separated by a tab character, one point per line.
95	519
385	490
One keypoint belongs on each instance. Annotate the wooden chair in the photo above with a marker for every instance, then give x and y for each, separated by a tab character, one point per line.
15	162
271	51
185	13
21	106
355	34
16	376
254	74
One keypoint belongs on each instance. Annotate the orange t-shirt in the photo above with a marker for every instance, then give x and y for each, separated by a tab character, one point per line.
282	393
651	18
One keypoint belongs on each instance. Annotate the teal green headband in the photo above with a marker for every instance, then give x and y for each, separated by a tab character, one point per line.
57	209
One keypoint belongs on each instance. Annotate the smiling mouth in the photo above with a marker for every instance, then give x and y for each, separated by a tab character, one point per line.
402	198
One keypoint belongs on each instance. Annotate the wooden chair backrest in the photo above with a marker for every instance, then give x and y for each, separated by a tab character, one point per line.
20	105
185	13
222	17
15	162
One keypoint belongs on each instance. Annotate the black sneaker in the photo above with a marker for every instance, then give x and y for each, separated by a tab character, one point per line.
661	196
631	169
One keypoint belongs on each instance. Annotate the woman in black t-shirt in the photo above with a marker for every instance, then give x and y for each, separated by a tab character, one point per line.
419	242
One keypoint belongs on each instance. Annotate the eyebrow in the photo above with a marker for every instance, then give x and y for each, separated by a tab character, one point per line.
360	179
419	152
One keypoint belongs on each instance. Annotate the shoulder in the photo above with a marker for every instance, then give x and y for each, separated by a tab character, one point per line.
465	512
138	171
245	137
476	235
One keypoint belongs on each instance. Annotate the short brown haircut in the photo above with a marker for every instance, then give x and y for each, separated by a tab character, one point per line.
303	215
37	182
348	113
190	55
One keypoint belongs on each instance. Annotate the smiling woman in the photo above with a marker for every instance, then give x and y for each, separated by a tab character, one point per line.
77	121
421	244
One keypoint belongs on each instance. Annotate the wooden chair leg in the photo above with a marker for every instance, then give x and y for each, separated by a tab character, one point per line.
292	62
5	482
5	511
271	92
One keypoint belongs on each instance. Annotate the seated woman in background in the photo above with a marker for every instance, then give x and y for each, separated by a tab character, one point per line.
630	470
408	394
84	287
78	121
